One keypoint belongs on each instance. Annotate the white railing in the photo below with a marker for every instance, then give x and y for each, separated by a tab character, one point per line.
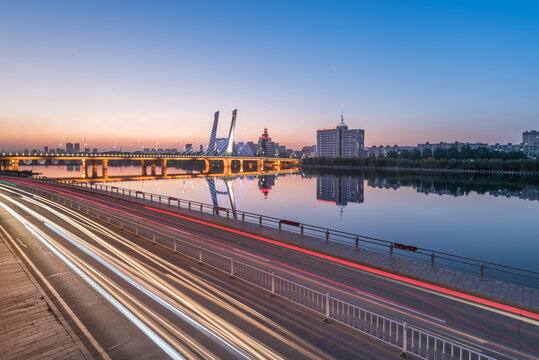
397	334
433	258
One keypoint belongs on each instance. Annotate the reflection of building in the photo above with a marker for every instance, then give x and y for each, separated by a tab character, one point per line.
339	190
265	183
340	141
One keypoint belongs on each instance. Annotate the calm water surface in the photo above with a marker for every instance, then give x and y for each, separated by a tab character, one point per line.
493	218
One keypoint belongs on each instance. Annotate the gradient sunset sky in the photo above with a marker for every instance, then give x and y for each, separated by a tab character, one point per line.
405	71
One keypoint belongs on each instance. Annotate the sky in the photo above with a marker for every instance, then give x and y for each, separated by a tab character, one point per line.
118	72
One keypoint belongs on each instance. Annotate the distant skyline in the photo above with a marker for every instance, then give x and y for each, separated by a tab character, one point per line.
406	72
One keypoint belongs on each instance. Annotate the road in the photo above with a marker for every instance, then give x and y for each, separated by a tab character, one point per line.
138	300
486	327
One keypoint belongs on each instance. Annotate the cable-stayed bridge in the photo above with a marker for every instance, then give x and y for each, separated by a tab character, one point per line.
220	154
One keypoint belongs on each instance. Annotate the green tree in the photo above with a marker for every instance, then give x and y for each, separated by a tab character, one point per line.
427	153
439	153
415	154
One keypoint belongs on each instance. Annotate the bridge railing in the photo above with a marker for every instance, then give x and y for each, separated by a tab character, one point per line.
408	339
427	256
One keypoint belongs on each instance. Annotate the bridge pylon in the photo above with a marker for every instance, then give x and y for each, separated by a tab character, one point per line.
230	145
211	146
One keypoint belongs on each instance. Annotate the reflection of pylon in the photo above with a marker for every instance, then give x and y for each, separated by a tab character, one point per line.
229	191
342	209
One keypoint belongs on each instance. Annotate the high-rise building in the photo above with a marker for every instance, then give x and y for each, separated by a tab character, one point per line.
266	147
340	141
69	147
530	137
77	147
45	149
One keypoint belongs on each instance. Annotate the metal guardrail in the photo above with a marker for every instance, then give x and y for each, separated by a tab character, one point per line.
397	334
434	258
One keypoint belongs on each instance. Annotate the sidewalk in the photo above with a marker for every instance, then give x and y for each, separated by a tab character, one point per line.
29	328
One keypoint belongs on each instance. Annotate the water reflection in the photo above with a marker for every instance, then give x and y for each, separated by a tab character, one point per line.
338	187
339	190
481	216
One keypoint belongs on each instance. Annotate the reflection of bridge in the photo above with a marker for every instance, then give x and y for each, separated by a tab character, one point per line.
211	178
213	157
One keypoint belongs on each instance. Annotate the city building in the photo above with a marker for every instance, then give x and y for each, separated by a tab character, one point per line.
45	149
530	137
340	141
69	148
76	147
254	147
266	147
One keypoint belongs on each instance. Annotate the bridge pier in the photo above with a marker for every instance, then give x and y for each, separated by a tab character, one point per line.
164	167
94	168
6	164
15	165
104	168
84	168
153	167
241	165
143	164
208	165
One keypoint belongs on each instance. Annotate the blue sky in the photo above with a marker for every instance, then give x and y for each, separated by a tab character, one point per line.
405	71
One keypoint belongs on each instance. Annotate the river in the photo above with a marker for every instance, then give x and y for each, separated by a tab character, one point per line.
488	217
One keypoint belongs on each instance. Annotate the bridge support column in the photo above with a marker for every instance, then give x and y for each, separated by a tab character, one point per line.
227	164
104	168
241	165
163	167
94	168
208	163
143	164
153	167
15	165
278	165
84	168
7	163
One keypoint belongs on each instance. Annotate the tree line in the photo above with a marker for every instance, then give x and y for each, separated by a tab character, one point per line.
481	159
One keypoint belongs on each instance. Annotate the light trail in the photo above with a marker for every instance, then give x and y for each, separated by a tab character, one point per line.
146	291
167	349
233	230
267	353
420	284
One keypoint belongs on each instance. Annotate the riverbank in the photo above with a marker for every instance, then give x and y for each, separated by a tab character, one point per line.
419	169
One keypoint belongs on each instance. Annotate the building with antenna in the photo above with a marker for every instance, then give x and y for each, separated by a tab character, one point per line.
266	147
340	141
